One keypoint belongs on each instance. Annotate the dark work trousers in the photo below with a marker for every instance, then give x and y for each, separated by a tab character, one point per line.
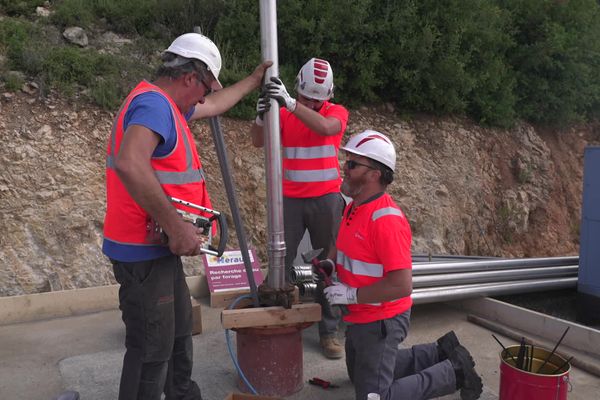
376	365
155	304
321	216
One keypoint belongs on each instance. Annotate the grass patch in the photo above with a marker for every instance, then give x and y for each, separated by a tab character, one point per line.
13	81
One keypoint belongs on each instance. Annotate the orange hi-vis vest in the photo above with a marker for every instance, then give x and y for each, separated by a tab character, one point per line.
179	174
310	161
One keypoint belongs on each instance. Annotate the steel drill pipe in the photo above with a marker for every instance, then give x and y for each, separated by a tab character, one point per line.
458	292
273	169
463	278
491	265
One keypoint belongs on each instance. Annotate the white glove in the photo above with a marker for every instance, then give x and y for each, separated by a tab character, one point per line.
276	90
338	293
263	105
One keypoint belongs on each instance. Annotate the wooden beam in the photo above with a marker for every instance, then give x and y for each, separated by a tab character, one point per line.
270	316
225	298
196	316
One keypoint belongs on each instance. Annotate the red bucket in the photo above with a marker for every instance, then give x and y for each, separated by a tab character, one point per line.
271	359
546	384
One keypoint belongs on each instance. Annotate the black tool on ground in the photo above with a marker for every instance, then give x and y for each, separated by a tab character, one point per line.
205	224
311	257
553	350
322	383
504	349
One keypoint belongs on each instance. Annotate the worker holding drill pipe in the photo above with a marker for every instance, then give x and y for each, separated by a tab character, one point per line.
374	268
311	132
152	156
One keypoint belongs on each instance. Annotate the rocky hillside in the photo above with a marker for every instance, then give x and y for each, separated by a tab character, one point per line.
466	189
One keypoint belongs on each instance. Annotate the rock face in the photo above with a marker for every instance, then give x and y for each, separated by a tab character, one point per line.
465	189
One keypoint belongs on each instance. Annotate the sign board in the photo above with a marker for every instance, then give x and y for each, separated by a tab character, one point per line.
228	272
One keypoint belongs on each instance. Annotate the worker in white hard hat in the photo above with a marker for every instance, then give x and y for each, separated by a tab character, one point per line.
152	156
311	132
374	267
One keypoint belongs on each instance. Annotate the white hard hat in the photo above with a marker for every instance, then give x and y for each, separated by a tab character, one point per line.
195	45
315	80
373	145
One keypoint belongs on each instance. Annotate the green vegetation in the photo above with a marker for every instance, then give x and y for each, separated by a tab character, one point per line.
495	61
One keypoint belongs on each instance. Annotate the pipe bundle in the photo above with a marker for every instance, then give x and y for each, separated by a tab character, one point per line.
455	280
435	282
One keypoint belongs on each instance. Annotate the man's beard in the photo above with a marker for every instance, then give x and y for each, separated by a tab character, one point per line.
352	189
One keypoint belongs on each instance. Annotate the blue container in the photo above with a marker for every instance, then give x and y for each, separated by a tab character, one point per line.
589	251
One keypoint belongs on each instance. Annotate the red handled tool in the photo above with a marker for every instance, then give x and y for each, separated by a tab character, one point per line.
323	383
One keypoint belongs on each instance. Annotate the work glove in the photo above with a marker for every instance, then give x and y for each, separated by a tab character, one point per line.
326	267
276	90
263	105
338	293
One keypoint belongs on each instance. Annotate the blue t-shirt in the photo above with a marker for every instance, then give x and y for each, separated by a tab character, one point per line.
151	110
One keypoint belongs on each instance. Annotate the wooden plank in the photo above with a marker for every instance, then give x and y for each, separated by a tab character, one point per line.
196	317
225	298
270	316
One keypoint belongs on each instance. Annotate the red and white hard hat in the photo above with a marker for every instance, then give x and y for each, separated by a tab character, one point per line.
373	145
195	45
315	80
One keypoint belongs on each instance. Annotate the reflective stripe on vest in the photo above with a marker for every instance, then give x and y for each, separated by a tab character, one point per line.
357	267
382	212
190	175
309	153
311	175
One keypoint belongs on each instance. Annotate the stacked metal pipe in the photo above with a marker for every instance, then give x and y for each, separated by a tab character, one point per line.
434	282
302	276
455	280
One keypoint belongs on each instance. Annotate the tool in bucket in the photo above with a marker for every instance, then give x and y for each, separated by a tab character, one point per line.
528	371
156	233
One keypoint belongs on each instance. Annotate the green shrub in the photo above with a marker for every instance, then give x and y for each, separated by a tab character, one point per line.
493	60
19	7
556	59
74	13
14	36
13	82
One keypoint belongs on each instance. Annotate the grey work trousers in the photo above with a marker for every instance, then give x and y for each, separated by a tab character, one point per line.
321	216
375	364
155	304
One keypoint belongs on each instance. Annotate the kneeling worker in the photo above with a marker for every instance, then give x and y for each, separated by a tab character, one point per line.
374	267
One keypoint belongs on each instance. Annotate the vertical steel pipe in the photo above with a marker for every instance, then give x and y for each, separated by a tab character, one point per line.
275	239
217	134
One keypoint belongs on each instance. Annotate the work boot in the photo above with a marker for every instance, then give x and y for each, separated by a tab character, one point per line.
331	347
467	380
446	345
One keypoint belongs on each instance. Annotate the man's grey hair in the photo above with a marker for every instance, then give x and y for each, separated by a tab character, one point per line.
174	66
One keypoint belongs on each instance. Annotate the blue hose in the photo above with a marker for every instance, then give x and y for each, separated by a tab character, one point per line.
233	358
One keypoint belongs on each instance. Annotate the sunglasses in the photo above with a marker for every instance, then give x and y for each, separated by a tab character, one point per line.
201	78
351	164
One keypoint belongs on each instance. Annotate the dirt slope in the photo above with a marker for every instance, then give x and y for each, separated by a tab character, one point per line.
465	189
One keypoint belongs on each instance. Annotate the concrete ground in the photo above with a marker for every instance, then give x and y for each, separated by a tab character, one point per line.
84	353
